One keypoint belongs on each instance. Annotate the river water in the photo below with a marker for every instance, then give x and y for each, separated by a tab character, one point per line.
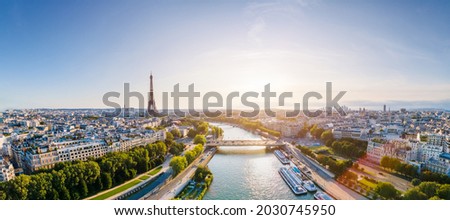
242	173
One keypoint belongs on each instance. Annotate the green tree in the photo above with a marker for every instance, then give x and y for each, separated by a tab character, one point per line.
40	186
386	162
59	184
410	170
347	148
178	164
198	149
106	180
201	173
444	191
202	128
192	133
415	182
208	179
327	136
17	189
386	190
395	164
216	131
190	156
316	132
429	176
2	194
176	133
83	188
414	194
429	188
169	136
176	148
200	139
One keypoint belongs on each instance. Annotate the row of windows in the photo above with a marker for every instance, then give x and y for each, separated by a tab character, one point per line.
86	156
49	163
86	147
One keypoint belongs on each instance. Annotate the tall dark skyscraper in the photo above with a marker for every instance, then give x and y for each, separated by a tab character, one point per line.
151	102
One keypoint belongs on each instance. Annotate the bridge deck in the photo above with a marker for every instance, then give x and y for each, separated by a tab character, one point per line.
243	143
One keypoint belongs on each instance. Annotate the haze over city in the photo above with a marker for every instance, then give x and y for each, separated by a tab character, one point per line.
67	54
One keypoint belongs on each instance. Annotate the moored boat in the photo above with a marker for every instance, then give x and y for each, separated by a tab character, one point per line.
309	185
322	196
292	181
280	155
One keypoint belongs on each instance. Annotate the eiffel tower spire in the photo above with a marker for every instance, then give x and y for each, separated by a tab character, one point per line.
151	102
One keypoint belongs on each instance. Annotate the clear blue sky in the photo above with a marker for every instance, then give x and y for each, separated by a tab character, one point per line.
69	53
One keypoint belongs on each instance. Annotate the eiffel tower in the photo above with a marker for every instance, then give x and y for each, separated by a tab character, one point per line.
151	110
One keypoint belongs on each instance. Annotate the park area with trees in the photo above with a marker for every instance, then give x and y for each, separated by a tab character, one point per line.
80	179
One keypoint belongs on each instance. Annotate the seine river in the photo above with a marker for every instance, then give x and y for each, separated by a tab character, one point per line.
246	172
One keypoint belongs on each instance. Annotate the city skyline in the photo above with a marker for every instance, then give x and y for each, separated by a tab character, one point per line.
68	55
